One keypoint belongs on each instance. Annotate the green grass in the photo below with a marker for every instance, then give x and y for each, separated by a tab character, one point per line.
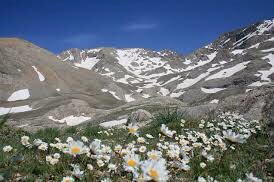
248	157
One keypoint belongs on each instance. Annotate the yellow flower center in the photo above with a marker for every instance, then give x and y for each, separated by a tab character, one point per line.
132	130
75	150
153	156
67	180
153	173
131	163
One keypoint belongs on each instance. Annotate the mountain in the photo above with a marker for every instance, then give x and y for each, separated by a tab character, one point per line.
34	80
105	83
235	63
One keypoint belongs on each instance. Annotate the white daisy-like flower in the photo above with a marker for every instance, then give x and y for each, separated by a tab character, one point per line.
201	125
43	146
155	170
202	165
95	147
197	144
84	139
100	163
77	171
68	179
141	140
56	155
25	140
106	180
76	148
106	158
112	167
201	179
251	178
233	137
48	158
154	154
182	164
106	149
90	167
166	131
118	148
37	142
132	162
210	158
69	139
53	161
124	151
57	139
7	148
132	129
142	149
149	136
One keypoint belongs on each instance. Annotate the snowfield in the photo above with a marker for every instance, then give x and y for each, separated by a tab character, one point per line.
163	91
128	98
19	95
191	81
17	109
229	71
71	120
214	101
40	75
113	123
88	63
212	90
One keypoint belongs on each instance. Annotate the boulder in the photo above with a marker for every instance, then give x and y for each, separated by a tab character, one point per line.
138	116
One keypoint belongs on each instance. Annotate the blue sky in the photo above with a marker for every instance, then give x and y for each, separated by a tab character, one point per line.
180	25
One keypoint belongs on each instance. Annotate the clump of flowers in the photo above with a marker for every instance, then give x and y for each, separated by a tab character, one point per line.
234	137
166	131
145	157
7	148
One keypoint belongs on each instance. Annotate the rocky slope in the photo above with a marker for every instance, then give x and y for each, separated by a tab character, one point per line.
95	84
34	84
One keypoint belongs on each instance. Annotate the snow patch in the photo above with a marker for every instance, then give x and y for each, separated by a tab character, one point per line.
212	90
214	101
17	109
237	51
104	90
191	81
187	61
71	120
145	95
113	123
111	92
88	63
201	63
128	98
177	94
19	95
40	76
163	91
229	71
